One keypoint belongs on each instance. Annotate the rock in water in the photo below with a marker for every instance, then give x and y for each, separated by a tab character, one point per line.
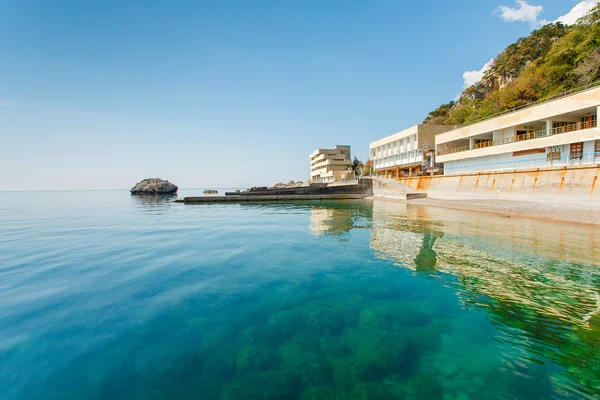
154	186
210	192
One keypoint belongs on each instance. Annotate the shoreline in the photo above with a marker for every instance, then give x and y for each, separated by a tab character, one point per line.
574	213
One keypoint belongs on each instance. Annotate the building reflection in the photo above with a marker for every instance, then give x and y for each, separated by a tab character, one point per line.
330	221
414	247
522	266
484	254
337	219
534	279
537	281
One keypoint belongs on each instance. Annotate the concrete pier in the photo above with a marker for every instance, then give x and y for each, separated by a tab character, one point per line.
357	189
272	198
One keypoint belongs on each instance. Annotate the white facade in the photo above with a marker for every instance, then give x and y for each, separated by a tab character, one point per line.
404	149
559	132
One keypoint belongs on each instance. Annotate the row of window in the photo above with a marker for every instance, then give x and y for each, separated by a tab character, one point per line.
404	157
394	147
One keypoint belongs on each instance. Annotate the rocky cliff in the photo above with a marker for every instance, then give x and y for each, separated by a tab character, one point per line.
551	60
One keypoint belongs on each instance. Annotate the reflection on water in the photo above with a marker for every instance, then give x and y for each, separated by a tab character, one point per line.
108	297
337	219
537	281
153	204
427	258
490	257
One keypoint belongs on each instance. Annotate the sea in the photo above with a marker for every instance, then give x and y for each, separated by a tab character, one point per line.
104	295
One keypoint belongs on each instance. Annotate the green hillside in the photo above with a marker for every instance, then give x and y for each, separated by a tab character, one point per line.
551	60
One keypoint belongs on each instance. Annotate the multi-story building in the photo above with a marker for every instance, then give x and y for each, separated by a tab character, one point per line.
407	152
560	131
329	165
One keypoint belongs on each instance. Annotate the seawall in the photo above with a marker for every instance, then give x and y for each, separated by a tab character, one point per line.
357	190
566	184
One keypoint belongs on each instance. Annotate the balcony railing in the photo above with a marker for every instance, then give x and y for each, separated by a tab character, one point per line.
399	161
571	160
569	127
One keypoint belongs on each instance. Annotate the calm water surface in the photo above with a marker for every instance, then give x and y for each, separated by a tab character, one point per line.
107	296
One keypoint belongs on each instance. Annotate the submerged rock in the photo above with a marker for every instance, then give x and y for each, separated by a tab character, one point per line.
154	186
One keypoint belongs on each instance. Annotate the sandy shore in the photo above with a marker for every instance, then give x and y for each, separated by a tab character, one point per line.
579	213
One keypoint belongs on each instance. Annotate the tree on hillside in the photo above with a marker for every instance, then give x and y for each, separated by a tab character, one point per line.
553	59
592	17
367	168
356	166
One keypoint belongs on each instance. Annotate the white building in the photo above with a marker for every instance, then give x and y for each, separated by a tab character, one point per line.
405	152
328	165
558	132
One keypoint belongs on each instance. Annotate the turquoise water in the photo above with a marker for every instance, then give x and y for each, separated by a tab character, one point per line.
107	296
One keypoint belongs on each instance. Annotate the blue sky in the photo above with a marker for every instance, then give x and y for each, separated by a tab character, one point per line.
100	94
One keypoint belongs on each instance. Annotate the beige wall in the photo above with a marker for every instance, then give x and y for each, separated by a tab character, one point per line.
330	164
425	134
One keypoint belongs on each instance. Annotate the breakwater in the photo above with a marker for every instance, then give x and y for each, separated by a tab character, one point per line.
357	189
244	199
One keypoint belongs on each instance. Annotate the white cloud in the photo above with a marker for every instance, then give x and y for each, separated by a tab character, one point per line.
472	77
577	12
523	13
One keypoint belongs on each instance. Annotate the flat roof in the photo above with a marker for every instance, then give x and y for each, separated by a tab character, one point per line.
398	135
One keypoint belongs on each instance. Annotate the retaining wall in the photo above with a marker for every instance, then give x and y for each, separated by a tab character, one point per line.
568	184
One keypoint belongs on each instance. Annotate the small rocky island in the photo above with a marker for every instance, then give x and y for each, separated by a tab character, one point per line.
211	191
154	186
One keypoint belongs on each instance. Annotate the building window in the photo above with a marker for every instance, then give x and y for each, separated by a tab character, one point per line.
597	150
576	151
563	127
589	121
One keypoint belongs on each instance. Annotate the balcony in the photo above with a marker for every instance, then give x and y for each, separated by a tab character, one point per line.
399	160
542	162
325	163
570	127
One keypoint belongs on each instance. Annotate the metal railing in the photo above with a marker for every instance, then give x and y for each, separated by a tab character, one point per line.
568	127
570	160
399	159
536	103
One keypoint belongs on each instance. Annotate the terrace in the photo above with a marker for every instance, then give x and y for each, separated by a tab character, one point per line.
487	139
